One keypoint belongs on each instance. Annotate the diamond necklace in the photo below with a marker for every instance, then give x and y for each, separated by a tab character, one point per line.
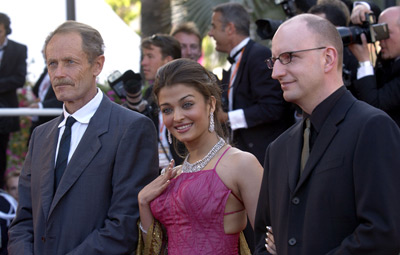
199	165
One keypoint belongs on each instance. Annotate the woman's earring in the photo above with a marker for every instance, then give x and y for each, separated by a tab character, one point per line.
169	137
211	127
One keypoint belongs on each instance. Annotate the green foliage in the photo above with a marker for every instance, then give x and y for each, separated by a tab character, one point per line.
127	10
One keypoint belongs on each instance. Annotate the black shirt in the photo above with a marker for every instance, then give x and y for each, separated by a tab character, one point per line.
321	112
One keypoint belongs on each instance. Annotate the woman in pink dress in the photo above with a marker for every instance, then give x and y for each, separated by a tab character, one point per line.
202	204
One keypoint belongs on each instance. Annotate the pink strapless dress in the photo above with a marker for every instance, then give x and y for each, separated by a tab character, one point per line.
192	210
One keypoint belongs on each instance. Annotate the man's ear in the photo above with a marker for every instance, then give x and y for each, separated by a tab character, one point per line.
168	59
98	65
230	28
331	59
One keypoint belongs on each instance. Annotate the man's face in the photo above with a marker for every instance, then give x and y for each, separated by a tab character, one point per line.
152	59
218	32
2	33
390	48
190	45
300	79
72	76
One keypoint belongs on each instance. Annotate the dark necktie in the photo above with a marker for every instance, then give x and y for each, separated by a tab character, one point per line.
63	151
306	145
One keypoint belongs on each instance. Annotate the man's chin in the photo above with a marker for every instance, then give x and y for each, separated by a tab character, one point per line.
385	55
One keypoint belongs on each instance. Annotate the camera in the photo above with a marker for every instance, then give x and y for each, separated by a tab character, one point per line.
266	28
128	86
373	32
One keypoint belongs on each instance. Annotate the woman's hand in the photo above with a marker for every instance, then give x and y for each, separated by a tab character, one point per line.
270	242
157	186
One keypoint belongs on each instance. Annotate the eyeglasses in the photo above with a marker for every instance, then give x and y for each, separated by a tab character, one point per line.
286	57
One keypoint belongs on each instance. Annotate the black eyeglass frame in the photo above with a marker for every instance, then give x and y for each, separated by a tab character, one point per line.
271	61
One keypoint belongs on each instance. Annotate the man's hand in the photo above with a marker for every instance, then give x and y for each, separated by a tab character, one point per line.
360	51
358	14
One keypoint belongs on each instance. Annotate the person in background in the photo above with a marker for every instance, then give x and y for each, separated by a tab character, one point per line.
45	98
379	83
203	203
11	183
190	39
331	182
157	50
8	207
337	12
254	108
79	183
12	76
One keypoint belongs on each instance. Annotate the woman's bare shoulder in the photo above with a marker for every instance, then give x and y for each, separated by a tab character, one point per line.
239	159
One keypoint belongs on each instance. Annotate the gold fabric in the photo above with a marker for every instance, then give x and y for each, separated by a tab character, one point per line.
156	241
243	247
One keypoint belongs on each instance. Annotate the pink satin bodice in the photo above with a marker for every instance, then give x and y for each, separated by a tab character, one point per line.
192	210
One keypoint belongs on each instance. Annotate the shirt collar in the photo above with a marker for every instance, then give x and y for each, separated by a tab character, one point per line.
84	114
321	112
239	47
4	44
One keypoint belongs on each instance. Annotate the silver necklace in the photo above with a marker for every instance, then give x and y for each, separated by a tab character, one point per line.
199	165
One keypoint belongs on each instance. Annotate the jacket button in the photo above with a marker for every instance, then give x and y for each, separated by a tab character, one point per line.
292	241
296	200
43	239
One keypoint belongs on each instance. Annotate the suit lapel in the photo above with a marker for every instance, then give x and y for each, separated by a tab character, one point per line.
225	83
242	64
87	149
47	161
326	135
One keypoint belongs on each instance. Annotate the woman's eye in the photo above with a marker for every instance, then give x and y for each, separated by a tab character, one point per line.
187	105
166	110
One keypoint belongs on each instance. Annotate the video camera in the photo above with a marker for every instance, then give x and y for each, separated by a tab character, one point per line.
374	32
266	28
129	86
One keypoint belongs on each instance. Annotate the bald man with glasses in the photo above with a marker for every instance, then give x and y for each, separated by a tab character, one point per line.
331	181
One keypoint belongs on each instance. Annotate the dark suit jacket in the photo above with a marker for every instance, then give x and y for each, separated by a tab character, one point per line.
50	100
267	114
382	90
12	77
346	200
95	208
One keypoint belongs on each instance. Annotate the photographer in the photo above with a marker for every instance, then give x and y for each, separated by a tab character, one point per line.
380	85
157	50
338	13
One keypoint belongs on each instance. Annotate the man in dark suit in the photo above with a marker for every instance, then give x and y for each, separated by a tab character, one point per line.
380	85
254	107
91	206
333	190
12	76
